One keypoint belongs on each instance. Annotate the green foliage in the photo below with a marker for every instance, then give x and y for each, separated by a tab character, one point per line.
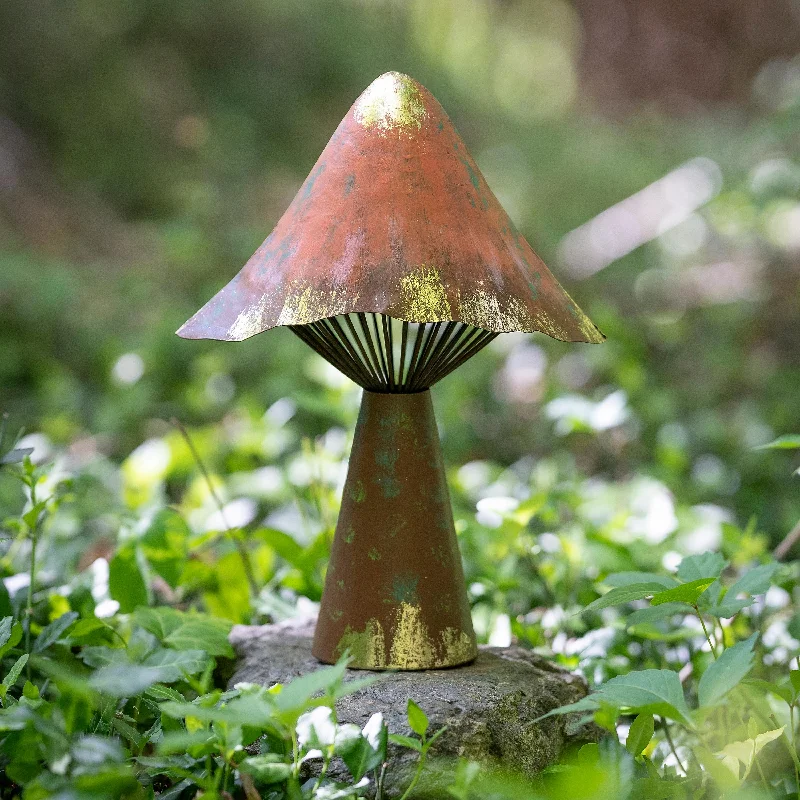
640	734
726	672
134	701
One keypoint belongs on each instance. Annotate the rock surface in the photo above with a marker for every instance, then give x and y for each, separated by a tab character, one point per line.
489	706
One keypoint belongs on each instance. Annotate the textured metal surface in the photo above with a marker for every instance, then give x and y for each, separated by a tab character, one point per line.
395	218
383	354
394	592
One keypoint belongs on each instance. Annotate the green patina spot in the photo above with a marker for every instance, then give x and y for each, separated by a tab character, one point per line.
338	614
358	493
534	283
404	589
349	184
374	554
440	126
475	181
440	555
311	180
390	487
386	459
340	583
350	535
473	176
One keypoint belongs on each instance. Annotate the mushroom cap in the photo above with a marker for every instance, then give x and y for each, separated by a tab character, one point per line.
395	218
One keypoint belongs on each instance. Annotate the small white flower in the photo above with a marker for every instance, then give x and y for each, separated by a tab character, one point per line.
236	514
491	510
59	767
372	730
500	635
316	728
346	736
777	597
106	608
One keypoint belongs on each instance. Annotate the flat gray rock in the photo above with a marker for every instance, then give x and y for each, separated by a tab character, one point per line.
489	706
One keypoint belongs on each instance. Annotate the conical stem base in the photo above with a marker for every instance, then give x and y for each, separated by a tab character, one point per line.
394	593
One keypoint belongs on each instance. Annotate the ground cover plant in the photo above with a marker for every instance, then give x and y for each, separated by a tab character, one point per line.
114	664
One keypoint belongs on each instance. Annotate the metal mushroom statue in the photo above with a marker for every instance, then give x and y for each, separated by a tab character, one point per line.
397	264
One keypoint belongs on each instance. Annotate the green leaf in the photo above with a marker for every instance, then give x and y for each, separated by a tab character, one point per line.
173	664
640	734
266	768
754	581
159	692
128	732
15	671
5	630
726	672
658	691
657	613
361	758
784	690
98	657
417	719
251	711
728	608
722	776
6	608
231	596
181	742
296	695
120	678
54	631
628	578
206	633
405	741
165	545
283	545
685	593
91	631
126	584
789	441
14	639
124	680
31	516
183	631
705	565
30	691
624	594
646	630
590	703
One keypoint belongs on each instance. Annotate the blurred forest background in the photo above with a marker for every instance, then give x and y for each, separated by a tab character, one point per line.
648	149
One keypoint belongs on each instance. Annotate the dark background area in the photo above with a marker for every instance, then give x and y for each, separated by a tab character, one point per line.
147	148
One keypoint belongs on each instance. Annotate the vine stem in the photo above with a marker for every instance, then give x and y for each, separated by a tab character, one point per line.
247	564
29	603
668	736
705	631
417	774
380	781
793	740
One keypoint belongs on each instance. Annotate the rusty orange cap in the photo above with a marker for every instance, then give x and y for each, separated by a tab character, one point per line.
395	218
